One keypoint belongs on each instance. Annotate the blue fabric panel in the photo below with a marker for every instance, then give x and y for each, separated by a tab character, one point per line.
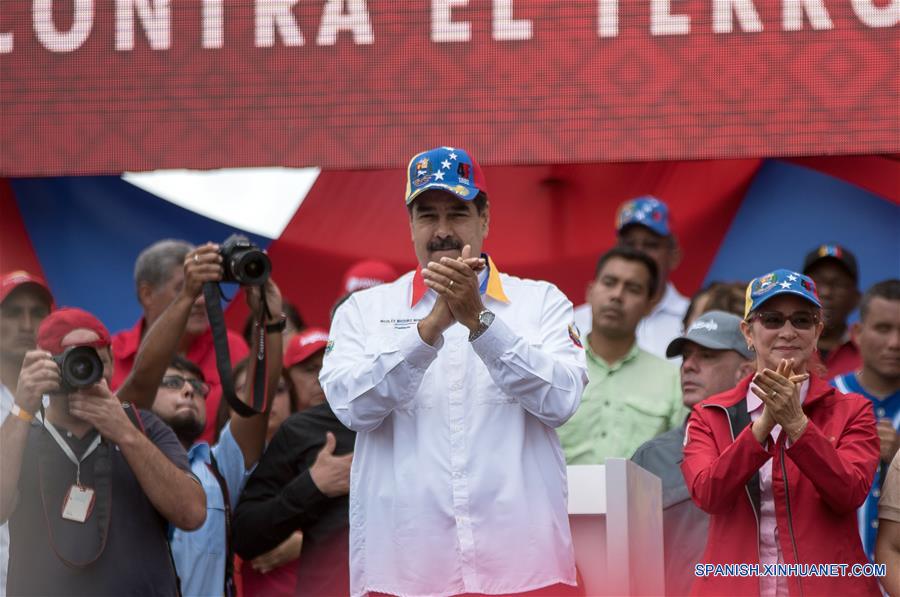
88	231
789	210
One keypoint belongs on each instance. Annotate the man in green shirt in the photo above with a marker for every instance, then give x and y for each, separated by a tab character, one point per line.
632	396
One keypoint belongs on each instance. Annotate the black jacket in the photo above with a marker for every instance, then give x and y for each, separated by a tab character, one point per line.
280	498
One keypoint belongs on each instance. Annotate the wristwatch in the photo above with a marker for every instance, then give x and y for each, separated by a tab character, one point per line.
485	319
277	327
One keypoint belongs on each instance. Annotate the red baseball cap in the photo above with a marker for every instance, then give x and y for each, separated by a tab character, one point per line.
366	274
62	321
303	345
13	280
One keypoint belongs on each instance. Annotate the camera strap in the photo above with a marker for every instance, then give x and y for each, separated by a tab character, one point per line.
259	401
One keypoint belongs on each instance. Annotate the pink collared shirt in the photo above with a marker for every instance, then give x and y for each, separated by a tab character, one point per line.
769	552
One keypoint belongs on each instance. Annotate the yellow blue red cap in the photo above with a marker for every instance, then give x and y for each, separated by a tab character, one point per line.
781	281
448	169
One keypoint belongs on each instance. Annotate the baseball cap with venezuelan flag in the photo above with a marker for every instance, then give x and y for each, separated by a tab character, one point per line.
833	252
647	211
781	281
447	169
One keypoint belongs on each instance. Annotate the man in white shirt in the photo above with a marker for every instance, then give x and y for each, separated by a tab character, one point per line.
454	377
643	224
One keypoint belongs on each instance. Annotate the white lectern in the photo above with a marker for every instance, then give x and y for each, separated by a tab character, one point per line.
615	511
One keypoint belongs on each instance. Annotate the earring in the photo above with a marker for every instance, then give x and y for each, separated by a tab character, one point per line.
750	348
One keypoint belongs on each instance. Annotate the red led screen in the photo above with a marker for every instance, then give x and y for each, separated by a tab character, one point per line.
103	86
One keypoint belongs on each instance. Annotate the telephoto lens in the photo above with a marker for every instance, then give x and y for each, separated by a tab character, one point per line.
79	367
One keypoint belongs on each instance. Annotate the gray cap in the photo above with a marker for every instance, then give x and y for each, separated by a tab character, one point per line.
717	330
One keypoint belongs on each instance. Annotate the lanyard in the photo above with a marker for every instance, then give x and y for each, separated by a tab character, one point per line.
68	451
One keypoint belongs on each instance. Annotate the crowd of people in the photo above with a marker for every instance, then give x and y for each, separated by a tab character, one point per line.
419	446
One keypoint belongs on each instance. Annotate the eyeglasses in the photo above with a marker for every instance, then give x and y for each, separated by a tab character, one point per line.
176	382
774	320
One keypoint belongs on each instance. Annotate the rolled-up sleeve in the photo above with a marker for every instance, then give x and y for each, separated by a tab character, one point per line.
366	379
546	378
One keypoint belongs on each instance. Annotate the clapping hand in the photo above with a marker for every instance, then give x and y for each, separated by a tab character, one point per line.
780	392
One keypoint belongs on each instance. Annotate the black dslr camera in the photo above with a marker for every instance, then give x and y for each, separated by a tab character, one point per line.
244	262
79	367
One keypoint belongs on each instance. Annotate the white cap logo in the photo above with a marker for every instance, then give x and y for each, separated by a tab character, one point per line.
708	325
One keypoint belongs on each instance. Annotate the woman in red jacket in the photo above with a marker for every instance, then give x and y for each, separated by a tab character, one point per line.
782	461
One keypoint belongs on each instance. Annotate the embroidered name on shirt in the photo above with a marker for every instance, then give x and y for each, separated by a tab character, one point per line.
401	324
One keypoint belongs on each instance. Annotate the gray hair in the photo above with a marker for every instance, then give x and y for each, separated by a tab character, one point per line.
154	264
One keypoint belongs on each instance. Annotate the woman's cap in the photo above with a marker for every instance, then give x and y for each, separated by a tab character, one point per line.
781	281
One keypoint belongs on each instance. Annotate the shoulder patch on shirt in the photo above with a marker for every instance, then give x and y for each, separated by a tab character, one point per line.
329	346
575	336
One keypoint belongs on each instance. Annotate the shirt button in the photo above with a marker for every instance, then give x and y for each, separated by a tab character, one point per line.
602	434
880	412
875	524
876	492
606	403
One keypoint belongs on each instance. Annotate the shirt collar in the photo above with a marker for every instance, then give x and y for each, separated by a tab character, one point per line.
490	283
669	302
754	403
126	343
200	451
632	354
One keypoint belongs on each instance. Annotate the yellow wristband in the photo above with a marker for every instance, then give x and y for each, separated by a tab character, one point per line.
22	414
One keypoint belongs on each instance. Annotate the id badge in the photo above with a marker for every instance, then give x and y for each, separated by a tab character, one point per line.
78	503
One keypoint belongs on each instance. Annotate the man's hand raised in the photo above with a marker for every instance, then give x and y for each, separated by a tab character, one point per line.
203	264
456	281
98	406
39	376
441	316
272	297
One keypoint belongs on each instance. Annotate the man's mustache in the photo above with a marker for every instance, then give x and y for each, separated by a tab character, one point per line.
445	244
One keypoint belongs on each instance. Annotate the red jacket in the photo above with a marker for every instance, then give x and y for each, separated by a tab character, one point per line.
829	471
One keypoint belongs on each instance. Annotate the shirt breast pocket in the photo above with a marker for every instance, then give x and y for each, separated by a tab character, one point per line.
488	391
215	520
646	417
379	345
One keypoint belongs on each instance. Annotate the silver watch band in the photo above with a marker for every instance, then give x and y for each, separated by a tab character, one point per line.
485	319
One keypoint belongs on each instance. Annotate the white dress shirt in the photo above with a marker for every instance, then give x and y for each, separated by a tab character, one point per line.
654	333
7	401
458	481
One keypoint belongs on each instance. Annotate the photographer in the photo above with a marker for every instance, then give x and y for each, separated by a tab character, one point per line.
158	277
62	467
203	556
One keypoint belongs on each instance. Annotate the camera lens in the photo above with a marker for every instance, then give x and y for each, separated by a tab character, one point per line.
81	368
244	263
254	269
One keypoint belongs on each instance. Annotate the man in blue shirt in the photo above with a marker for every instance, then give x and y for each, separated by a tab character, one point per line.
878	336
203	558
